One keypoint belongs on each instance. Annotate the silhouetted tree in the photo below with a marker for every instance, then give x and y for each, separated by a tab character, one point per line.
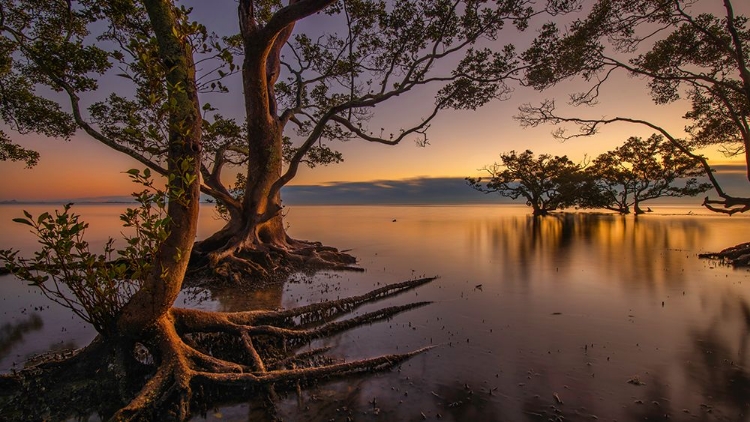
680	52
640	170
547	183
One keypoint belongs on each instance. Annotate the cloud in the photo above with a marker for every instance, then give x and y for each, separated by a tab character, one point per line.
733	179
418	191
729	168
453	190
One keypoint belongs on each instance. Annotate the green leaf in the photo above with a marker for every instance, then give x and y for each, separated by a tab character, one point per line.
23	221
42	217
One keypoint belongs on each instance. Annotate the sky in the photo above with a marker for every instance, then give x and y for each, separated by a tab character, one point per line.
461	142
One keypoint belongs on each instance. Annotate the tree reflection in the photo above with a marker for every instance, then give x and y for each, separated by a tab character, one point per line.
13	333
234	298
644	250
714	373
718	362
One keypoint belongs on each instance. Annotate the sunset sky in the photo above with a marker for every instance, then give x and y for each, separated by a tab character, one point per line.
461	142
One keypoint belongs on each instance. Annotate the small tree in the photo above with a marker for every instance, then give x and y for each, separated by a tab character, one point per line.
96	286
547	183
642	170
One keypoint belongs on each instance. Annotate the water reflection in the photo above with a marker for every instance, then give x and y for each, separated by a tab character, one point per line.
711	380
574	304
233	298
718	362
641	250
12	334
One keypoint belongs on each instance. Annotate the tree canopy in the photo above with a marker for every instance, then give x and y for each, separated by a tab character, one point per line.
634	172
678	50
640	170
546	182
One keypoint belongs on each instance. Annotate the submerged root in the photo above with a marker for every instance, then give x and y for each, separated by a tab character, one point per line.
197	359
737	256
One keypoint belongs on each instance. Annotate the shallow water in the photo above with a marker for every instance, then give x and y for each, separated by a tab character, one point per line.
526	311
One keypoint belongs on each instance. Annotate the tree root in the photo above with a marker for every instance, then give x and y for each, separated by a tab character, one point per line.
268	262
737	256
199	358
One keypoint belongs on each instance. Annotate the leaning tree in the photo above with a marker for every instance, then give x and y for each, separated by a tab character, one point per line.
679	51
301	92
151	361
639	171
547	183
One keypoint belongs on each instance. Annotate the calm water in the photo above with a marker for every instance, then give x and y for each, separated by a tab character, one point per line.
570	306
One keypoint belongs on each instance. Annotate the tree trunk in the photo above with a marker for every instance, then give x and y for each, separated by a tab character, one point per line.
256	230
160	289
637	208
254	241
538	211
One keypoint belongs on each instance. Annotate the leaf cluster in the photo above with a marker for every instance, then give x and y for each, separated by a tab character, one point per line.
14	152
69	46
634	172
680	54
390	48
95	286
641	170
546	182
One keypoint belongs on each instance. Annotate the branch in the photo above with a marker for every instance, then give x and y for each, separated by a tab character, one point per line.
739	52
75	105
545	113
289	15
212	186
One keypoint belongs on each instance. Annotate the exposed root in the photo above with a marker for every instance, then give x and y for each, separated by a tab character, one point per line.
296	336
737	256
326	311
300	358
200	358
269	262
319	372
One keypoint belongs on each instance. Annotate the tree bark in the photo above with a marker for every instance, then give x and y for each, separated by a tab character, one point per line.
163	284
254	241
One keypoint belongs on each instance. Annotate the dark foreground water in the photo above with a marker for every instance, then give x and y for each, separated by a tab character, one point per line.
570	317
